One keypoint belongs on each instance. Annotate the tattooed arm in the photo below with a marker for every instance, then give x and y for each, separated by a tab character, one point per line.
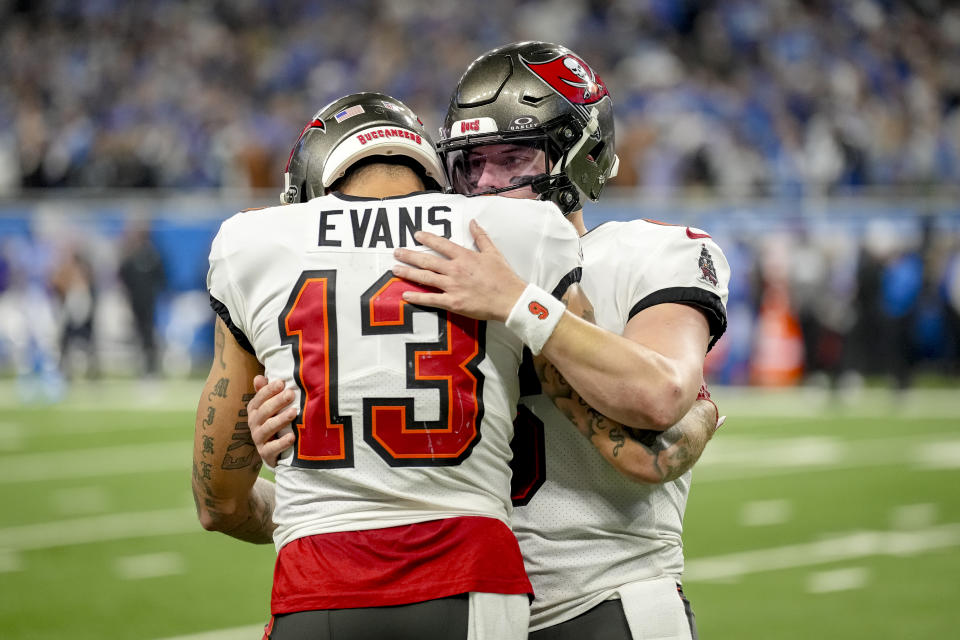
229	494
645	456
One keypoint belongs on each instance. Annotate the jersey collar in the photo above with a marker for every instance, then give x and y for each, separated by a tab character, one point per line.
349	198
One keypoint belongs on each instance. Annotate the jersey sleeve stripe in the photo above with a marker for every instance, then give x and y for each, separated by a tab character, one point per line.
571	278
224	313
707	302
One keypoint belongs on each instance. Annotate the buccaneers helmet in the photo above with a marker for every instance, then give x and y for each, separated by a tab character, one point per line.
522	98
353	129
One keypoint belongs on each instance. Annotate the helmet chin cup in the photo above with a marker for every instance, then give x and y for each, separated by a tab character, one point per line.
558	189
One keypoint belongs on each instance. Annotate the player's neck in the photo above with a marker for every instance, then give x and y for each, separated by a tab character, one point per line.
377	186
576	219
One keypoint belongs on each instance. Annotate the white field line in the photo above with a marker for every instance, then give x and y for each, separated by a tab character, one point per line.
764	513
150	565
115	526
735	457
99	462
116	395
236	633
838	580
843	547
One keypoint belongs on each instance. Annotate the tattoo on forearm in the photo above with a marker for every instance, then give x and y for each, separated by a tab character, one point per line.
201	488
207	445
664	455
241	439
219	389
258	525
211	412
618	438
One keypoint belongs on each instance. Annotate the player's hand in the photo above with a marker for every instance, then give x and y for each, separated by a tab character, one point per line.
479	284
266	416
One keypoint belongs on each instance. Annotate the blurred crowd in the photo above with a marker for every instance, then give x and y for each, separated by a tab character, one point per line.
783	100
837	299
785	97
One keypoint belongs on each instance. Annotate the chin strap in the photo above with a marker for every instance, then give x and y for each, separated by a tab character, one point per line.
290	193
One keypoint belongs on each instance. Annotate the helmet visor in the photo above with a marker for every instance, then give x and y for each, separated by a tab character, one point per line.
497	168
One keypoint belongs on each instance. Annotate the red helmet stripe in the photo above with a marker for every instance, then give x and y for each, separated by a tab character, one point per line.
316	123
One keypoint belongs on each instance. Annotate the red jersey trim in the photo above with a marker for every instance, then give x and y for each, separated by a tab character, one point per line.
398	565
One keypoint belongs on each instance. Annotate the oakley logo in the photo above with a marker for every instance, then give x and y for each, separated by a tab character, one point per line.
523	122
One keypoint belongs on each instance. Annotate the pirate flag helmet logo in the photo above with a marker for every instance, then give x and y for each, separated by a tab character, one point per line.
571	77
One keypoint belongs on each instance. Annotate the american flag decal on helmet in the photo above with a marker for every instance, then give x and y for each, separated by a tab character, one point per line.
349	112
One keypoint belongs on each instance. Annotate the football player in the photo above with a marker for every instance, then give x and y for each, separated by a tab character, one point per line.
603	552
391	503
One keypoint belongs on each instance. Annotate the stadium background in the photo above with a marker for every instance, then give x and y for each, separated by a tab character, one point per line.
819	142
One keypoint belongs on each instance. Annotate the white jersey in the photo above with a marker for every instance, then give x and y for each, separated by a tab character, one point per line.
588	530
405	412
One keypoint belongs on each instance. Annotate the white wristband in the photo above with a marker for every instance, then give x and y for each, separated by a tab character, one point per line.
534	317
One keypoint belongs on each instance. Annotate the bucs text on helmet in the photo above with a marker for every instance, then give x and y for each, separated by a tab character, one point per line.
534	96
354	130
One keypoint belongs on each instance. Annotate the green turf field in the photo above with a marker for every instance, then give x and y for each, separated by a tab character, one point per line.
808	518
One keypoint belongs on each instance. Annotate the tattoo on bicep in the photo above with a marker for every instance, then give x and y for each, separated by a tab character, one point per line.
220	342
211	412
219	389
207	445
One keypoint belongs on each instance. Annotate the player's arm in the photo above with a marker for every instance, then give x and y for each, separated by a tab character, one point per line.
643	455
648	377
229	494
